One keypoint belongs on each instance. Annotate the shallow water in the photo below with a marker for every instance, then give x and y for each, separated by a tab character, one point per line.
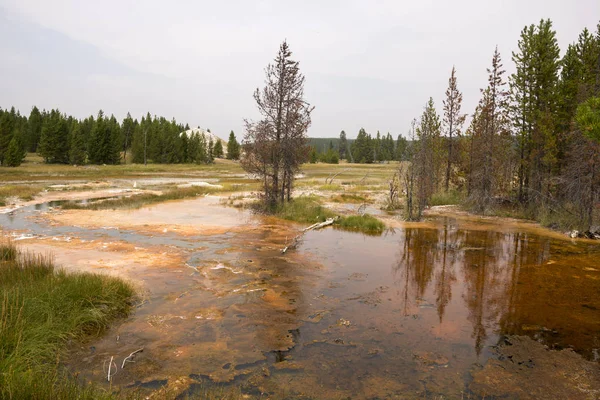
409	313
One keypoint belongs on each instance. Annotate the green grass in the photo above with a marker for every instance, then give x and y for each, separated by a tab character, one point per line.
362	223
35	169
140	200
8	252
305	209
308	209
452	197
43	309
350	198
23	192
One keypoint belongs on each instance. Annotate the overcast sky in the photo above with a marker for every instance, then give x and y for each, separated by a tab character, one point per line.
370	64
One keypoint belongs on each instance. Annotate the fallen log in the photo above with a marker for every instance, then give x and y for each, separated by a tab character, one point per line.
318	225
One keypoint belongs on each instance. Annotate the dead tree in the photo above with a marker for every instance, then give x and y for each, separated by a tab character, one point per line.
276	146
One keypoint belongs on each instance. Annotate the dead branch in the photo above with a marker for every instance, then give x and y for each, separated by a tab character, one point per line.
129	356
363	178
362	209
110	364
334	176
318	225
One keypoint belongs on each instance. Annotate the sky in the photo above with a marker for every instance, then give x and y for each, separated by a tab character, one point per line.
370	64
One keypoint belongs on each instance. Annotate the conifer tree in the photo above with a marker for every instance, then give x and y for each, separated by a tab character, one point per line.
77	151
34	130
343	146
54	140
426	158
361	148
128	128
233	147
276	146
6	133
401	149
210	151
489	129
15	153
218	149
534	92
453	120
202	155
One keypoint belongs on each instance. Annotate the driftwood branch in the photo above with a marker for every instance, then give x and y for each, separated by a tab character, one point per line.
331	178
129	356
362	209
363	178
110	364
318	225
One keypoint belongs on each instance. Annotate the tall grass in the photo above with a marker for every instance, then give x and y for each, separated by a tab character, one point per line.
452	197
350	198
362	223
43	308
308	209
24	192
305	209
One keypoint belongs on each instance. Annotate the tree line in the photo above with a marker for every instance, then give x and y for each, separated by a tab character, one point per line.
64	139
533	139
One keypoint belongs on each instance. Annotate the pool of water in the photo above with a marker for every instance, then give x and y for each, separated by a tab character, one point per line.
410	313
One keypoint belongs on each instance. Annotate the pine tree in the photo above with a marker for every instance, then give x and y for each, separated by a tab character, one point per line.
105	141
401	149
361	148
77	151
490	128
343	146
534	92
34	130
202	156
453	120
233	147
426	157
218	149
588	118
276	146
54	140
210	151
15	153
588	51
128	130
6	133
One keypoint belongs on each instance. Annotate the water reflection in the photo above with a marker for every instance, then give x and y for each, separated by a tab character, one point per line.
510	283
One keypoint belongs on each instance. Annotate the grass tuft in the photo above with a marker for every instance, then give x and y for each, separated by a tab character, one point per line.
8	252
308	209
23	192
452	197
350	198
362	223
41	310
305	209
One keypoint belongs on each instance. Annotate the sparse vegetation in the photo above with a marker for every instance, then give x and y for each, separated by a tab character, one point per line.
452	197
140	200
305	209
362	223
350	198
42	309
23	192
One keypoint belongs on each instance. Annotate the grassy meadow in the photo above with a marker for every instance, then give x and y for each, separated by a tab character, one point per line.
42	310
